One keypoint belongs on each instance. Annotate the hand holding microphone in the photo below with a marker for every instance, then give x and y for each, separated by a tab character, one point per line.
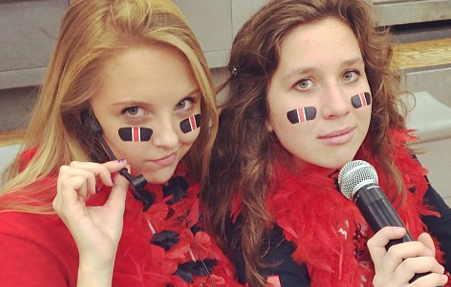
406	263
358	181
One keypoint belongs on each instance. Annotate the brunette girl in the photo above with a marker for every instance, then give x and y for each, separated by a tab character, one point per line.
311	89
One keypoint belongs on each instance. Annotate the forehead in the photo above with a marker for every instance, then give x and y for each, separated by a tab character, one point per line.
328	39
154	74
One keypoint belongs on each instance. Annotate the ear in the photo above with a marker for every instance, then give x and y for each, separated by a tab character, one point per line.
268	125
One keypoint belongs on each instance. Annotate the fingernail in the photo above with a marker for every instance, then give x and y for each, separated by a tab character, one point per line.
121	161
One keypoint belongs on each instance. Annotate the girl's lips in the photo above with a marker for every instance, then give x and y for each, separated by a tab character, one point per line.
338	137
167	160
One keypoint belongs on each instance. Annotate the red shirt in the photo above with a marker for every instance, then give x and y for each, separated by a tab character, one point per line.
38	250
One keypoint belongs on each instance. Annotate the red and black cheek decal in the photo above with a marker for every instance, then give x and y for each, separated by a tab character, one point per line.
190	124
361	100
135	134
300	115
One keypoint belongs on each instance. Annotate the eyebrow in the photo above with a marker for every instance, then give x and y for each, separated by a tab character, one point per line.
195	92
131	103
354	61
309	70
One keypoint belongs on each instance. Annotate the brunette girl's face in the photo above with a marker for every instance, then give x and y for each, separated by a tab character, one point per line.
319	97
148	91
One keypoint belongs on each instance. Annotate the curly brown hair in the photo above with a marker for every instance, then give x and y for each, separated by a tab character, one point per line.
241	157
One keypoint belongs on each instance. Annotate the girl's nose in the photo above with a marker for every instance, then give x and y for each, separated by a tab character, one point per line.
165	135
336	103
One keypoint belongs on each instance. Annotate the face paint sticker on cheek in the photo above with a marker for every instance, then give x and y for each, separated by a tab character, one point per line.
135	134
361	100
190	124
300	115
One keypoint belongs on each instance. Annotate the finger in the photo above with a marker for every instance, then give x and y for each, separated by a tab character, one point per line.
68	199
57	200
426	239
432	280
417	265
409	250
398	254
427	264
104	170
67	172
118	193
376	244
62	175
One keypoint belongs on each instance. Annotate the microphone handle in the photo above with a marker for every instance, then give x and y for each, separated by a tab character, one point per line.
379	212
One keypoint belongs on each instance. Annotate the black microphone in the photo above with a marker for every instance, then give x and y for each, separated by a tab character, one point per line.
358	181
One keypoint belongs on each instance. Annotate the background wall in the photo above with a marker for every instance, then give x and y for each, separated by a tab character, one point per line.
29	29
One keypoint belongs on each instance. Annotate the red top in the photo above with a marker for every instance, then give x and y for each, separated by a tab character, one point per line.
38	250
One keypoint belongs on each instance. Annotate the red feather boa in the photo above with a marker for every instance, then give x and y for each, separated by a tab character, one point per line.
327	229
139	260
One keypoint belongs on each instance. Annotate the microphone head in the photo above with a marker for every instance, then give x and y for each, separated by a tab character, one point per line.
354	175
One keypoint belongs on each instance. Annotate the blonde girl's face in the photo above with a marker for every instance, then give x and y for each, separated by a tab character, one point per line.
149	88
319	97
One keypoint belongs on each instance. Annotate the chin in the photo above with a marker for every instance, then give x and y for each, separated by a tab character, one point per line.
159	177
336	163
339	164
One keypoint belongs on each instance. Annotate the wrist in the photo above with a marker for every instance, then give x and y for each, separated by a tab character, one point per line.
100	260
91	275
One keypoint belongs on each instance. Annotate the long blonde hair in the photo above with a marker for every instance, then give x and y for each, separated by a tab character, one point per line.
91	32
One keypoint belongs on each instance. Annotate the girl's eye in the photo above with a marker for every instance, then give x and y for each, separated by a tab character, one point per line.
304	84
133	111
350	76
185	104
